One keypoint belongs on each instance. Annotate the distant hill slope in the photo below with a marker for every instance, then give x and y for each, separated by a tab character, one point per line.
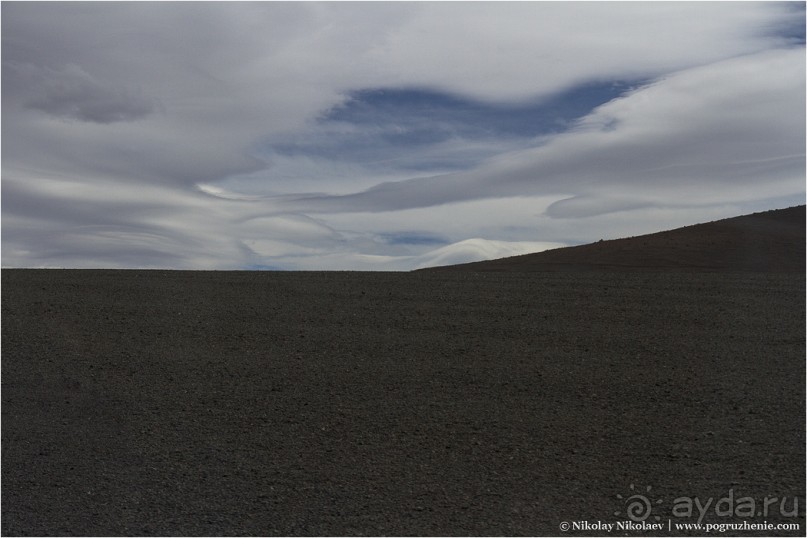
772	241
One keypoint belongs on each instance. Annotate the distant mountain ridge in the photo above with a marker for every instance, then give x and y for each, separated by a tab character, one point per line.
769	241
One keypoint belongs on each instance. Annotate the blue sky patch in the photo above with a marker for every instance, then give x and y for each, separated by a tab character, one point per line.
455	114
413	238
793	29
388	123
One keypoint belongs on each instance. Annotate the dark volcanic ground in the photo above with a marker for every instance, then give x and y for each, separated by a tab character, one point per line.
230	403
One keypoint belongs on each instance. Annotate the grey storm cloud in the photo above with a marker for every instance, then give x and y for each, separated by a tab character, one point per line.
72	93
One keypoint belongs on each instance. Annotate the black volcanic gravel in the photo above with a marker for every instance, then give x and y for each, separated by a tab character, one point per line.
334	403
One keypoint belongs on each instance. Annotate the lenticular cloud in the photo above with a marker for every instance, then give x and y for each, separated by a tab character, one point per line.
225	135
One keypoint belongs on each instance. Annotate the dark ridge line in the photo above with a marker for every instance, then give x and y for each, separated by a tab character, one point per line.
766	241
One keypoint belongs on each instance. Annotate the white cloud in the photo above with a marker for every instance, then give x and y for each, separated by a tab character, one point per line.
517	50
468	250
732	131
115	115
471	250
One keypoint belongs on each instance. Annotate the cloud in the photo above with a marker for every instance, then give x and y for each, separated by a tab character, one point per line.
412	238
685	138
68	222
475	249
542	48
468	250
70	93
226	135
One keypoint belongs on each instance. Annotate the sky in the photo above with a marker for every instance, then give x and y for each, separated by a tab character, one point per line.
385	135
